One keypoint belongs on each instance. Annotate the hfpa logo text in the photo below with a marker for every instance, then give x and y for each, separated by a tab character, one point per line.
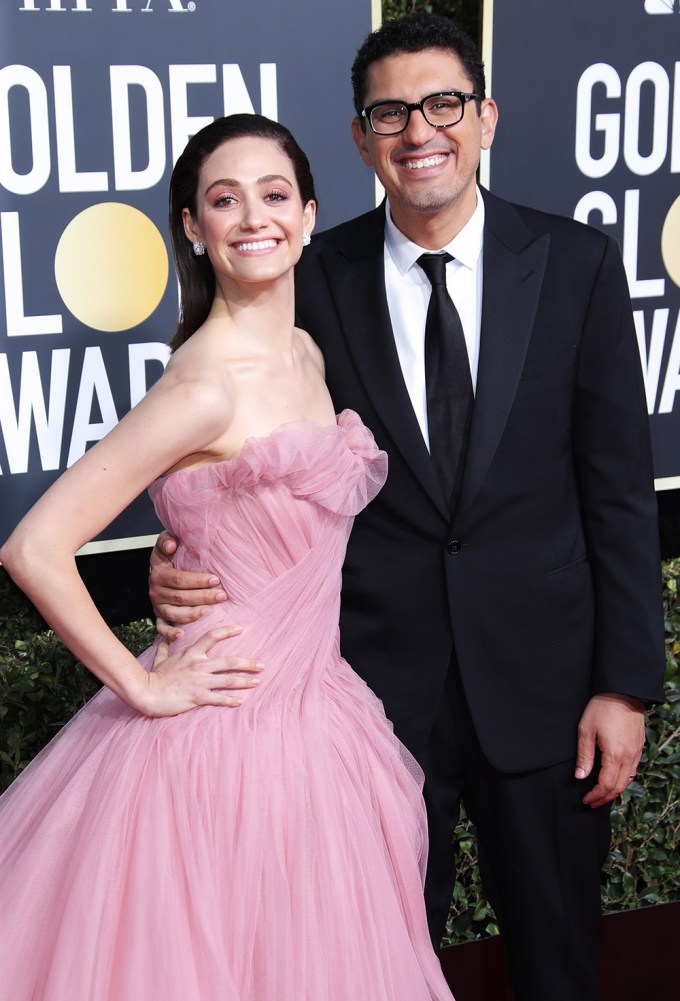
120	6
662	6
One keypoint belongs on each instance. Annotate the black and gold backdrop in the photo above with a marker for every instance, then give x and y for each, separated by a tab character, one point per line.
97	100
589	95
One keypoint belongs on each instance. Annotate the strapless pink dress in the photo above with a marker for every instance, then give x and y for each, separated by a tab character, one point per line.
273	852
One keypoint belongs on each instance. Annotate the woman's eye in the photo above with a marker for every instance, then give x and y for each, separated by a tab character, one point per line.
225	200
276	196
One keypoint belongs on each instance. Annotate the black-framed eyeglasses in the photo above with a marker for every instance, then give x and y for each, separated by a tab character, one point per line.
388	118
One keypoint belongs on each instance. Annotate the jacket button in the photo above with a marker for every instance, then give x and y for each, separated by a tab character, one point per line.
454	547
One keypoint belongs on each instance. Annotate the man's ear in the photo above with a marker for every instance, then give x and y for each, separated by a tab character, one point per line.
489	119
360	141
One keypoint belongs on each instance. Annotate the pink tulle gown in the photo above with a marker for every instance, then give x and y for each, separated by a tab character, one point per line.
272	852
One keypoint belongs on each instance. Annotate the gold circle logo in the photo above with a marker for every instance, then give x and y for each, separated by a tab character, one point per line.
670	242
111	266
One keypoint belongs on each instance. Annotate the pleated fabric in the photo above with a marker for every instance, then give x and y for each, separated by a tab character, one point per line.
273	852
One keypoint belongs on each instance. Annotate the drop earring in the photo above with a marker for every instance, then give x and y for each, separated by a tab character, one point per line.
306	238
199	249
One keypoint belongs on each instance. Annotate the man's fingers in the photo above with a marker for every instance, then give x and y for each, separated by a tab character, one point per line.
616	725
600	795
173	615
182	607
585	755
165	577
596	797
166	543
168	631
614	776
189	597
164	549
210	595
584	766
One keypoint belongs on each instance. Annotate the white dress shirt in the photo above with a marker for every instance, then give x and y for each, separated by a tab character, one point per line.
408	296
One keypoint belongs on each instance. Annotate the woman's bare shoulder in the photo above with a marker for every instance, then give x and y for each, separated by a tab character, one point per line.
195	377
312	350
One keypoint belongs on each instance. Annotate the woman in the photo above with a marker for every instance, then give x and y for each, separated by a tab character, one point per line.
209	828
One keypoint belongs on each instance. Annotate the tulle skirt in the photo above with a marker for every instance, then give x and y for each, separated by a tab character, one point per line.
273	852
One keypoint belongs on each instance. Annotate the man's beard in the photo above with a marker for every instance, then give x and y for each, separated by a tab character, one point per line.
428	201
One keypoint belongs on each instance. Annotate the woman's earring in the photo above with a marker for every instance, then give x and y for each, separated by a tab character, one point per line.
199	249
306	238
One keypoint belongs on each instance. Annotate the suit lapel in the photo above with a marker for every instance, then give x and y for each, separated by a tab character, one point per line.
358	285
514	265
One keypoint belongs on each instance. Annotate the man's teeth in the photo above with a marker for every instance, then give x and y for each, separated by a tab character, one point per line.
256	245
428	161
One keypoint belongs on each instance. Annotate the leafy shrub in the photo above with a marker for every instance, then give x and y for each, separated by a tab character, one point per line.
41	683
642	867
465	12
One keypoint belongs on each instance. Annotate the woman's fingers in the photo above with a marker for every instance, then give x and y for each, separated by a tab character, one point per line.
218	676
194	677
207	640
245	664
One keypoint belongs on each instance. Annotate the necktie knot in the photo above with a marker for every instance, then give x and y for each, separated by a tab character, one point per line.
434	266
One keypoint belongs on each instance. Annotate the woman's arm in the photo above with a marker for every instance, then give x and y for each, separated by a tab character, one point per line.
175	420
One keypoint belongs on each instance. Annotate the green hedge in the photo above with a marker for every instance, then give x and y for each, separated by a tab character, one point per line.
41	684
465	12
41	687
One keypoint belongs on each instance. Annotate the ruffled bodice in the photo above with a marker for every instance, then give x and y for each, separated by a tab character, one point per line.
279	560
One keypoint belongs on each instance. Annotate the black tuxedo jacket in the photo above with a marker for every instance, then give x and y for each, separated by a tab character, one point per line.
545	581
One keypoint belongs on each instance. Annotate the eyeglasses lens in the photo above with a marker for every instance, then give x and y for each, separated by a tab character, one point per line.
441	110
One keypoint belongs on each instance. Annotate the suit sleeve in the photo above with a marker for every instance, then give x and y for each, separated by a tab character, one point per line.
614	466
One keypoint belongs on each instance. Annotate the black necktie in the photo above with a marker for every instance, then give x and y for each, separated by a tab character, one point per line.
447	378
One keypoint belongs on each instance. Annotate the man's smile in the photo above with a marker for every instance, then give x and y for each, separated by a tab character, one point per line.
417	163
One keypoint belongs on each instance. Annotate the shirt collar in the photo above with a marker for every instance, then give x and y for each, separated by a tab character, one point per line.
466	246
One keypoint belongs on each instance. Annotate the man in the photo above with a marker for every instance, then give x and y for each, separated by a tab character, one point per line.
507	611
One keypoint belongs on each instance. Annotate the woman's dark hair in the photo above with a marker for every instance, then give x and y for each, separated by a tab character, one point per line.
195	274
415	33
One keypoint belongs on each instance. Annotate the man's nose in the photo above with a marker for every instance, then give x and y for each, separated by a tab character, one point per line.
418	131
